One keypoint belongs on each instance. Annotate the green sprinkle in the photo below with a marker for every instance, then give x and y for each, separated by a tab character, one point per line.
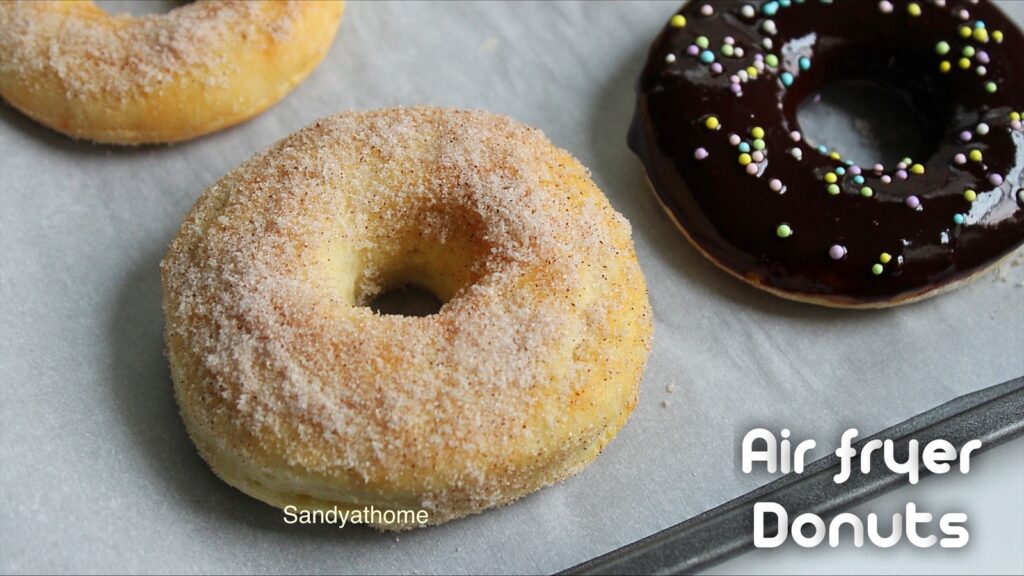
867	192
701	41
758	144
783	231
833	189
942	47
990	87
727	50
877	269
969	51
771	60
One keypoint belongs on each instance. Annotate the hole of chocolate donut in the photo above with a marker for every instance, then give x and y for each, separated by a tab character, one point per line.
138	7
867	122
406	300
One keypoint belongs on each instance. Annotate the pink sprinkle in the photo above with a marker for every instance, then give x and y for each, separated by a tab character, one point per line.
700	153
995	179
879	168
759	66
913	202
707	10
855	170
885	6
751	168
692	50
964	14
901	166
886	179
734	139
758	156
716	68
730	40
735	88
982	56
959	159
775	184
758	57
794	136
1015	124
965	136
901	174
837	252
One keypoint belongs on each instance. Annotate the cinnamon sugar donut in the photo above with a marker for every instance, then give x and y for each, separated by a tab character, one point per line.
158	78
298	394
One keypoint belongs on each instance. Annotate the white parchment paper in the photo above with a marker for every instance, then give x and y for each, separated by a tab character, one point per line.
96	470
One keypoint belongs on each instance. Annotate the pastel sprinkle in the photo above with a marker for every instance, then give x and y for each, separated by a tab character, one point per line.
727	50
914	9
734	139
837	252
716	69
707	10
991	87
758	156
787	79
901	174
886	179
964	63
712	123
959	218
867	192
970	195
770	8
804	63
981	35
968	51
744	147
692	50
700	153
945	66
752	169
965	136
1014	115
783	231
982	129
981	70
877	269
831	178
670	58
775	185
858	179
678	21
771	60
912	202
942	48
959	159
917	169
854	169
885	6
707	56
840	170
975	155
965	31
757	132
745	159
702	42
997	35
885	257
747	11
833	189
995	179
758	144
795	135
982	57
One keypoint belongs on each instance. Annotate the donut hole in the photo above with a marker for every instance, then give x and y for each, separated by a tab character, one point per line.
867	121
406	300
138	8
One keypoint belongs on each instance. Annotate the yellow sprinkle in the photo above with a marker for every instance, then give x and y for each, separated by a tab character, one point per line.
997	35
964	63
1014	115
965	31
745	159
914	9
678	21
975	155
752	72
884	257
945	66
917	169
834	155
981	35
970	195
757	132
712	123
831	178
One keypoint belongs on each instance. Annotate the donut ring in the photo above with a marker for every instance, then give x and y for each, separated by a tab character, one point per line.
716	128
159	78
297	395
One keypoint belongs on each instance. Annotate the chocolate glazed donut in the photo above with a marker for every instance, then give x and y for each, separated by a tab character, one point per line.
716	128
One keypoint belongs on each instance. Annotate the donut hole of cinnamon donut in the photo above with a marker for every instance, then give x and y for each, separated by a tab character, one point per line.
406	300
137	7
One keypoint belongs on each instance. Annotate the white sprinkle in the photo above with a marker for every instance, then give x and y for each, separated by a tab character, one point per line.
982	129
670	58
738	52
707	10
767	43
885	6
747	11
797	153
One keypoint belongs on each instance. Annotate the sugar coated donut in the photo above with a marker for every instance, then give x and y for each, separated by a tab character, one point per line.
717	131
299	395
159	78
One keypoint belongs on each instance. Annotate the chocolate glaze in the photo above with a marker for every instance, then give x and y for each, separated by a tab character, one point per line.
732	216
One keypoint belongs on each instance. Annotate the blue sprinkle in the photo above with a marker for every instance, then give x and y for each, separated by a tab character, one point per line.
979	24
744	147
858	179
840	170
770	8
958	218
787	78
707	56
804	62
822	149
784	3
